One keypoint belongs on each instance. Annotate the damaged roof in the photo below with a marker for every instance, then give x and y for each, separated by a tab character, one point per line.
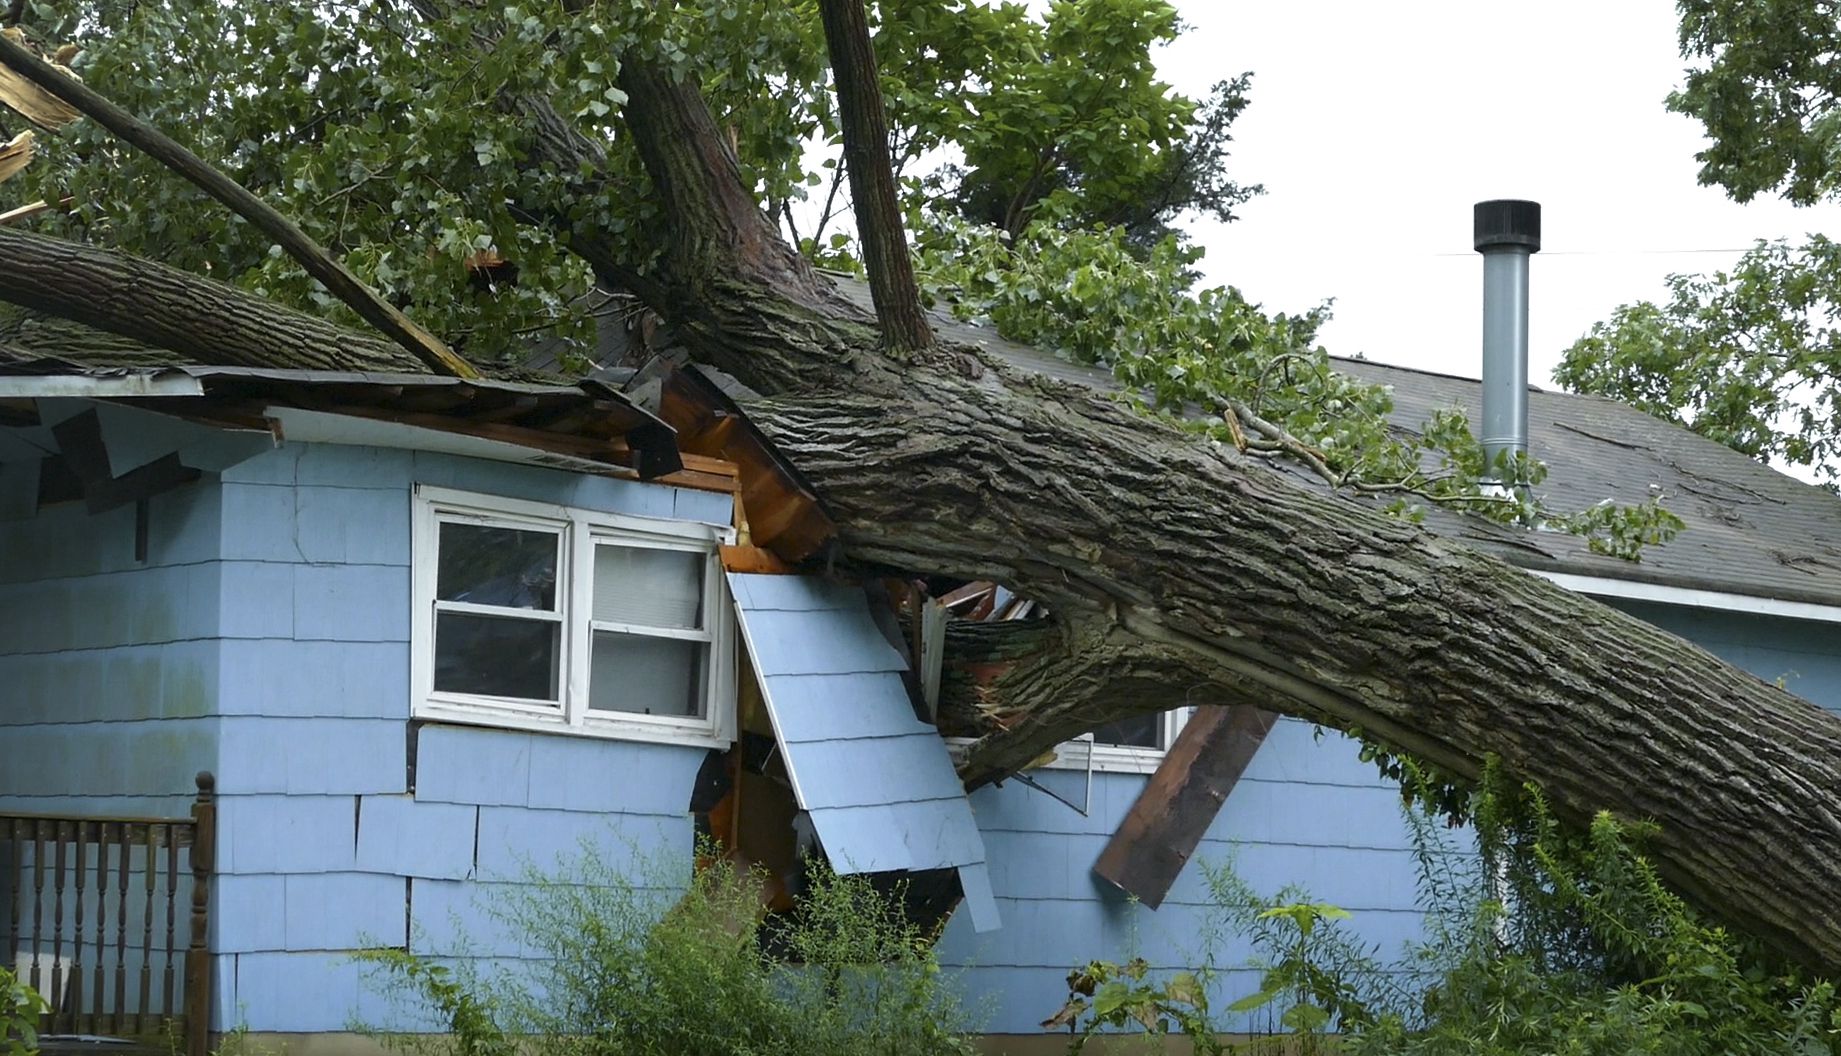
589	425
1751	530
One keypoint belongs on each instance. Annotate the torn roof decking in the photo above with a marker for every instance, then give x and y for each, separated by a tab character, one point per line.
877	782
1751	530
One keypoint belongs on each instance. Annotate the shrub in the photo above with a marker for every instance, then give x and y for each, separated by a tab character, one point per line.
635	969
1541	939
20	1006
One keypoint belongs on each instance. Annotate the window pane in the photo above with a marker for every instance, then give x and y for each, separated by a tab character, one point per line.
651	588
1139	731
496	656
497	566
646	676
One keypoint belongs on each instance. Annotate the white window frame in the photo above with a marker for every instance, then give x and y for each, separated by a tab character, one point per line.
580	531
1119	758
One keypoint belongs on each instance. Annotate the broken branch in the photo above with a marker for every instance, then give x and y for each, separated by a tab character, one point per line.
872	178
317	261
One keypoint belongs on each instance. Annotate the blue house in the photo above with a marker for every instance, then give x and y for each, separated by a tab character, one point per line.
424	632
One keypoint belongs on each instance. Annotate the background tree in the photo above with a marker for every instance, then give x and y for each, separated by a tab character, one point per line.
1749	356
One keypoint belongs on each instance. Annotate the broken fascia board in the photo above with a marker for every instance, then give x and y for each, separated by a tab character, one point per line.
321	427
383	378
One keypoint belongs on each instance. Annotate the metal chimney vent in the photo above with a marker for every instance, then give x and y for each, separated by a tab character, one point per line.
1508	232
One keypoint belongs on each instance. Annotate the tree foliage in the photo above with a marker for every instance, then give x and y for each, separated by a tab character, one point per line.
1750	357
1059	163
1065	110
1765	82
1093	297
1539	937
1746	356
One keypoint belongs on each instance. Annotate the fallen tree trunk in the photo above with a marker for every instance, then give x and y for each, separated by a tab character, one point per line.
1237	582
1183	567
1184	572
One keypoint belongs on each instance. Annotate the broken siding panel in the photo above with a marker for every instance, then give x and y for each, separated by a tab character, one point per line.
888	836
877	783
402	837
860	771
598	775
793	593
474	765
514	842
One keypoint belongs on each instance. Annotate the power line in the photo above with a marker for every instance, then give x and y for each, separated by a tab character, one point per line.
1615	252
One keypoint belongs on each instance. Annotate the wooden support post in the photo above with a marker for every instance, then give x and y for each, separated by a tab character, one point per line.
1148	852
198	953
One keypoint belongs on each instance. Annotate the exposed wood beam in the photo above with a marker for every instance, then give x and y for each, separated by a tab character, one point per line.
138	485
86	458
79	440
1151	846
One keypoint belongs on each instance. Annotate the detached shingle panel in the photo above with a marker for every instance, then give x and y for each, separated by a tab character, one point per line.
877	782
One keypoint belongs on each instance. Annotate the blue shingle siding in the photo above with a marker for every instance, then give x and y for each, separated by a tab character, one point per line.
266	638
317	811
108	666
402	836
1341	835
875	780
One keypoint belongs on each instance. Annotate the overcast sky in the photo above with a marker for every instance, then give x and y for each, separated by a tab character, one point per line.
1375	127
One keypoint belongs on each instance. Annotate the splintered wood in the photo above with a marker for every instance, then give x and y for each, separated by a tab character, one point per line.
983	600
29	100
16	154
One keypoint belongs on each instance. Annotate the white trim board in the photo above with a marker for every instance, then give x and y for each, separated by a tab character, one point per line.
324	427
46	386
1631	590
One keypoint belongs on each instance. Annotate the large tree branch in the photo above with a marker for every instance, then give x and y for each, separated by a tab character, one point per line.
872	177
1310	603
1232	579
309	254
1004	679
205	321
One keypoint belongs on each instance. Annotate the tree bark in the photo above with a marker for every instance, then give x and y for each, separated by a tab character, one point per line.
1283	597
205	321
872	178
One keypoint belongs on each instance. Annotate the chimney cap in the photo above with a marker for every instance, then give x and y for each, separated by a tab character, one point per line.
1504	223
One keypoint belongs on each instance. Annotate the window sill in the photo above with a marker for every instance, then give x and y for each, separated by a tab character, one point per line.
606	729
1107	758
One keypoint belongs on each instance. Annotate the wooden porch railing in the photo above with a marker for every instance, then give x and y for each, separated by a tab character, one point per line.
96	915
